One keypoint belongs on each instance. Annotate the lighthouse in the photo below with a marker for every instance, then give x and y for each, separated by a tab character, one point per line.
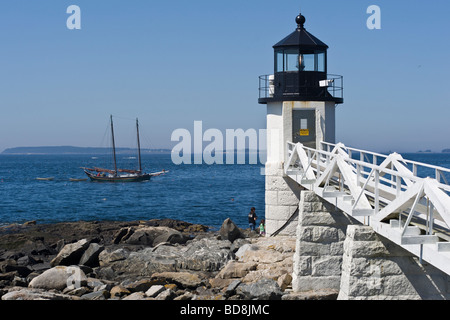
301	99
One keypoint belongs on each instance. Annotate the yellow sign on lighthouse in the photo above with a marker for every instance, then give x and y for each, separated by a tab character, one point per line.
304	132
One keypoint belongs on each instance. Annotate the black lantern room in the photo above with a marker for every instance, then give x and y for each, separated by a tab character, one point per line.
300	72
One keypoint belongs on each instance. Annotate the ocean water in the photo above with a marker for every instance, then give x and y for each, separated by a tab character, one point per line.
201	194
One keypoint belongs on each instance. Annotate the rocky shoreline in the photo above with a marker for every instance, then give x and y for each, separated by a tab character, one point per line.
144	260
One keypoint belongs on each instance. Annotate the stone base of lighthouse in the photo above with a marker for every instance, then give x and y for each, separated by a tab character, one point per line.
282	199
284	121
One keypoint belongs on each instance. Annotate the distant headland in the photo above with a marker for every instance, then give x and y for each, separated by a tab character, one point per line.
429	151
76	150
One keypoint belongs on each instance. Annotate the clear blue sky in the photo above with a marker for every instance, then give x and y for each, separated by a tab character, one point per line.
172	62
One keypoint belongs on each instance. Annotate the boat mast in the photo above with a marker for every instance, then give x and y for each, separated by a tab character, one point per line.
139	145
114	146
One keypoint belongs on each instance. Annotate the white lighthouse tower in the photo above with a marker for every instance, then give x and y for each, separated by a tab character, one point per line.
301	99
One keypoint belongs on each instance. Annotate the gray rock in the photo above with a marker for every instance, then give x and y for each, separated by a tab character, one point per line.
231	289
76	291
265	289
185	296
59	278
96	295
106	256
13	267
206	255
138	286
136	296
119	291
180	278
312	295
26	260
244	248
41	266
90	256
122	235
154	291
151	236
70	254
171	236
166	295
198	255
35	294
230	231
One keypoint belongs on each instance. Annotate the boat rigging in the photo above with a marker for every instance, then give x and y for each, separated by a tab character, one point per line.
121	175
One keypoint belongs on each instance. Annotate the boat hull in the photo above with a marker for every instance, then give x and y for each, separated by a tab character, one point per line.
45	179
127	178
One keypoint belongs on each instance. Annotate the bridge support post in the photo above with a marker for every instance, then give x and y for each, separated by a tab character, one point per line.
320	245
376	268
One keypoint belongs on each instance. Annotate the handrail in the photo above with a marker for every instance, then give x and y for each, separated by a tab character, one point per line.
412	162
412	176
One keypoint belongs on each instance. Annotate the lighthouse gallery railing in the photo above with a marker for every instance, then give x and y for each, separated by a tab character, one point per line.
334	85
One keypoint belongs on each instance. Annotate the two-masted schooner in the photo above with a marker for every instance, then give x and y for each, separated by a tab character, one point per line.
121	175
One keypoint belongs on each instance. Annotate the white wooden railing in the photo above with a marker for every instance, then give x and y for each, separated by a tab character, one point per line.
387	192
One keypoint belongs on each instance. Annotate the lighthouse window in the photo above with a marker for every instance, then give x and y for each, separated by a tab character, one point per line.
291	60
321	62
303	124
308	62
279	61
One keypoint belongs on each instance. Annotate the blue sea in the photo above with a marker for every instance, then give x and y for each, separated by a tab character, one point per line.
204	194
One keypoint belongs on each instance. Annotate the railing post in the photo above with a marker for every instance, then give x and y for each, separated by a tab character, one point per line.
431	219
358	174
377	191
399	185
438	176
286	157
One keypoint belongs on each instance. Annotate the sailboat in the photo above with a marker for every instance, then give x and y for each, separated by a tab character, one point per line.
121	175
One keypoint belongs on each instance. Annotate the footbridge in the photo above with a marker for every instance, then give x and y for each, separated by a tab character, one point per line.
404	201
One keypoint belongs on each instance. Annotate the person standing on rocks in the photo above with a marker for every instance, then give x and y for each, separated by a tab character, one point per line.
262	228
252	219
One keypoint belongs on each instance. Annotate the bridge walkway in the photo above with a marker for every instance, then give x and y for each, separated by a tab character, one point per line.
405	201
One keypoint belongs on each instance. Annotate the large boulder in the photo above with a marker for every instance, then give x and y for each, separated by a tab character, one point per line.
152	236
230	231
182	279
90	256
207	254
236	269
58	278
70	254
108	256
265	289
36	294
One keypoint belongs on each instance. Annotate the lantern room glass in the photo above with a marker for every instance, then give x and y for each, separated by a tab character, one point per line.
293	60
